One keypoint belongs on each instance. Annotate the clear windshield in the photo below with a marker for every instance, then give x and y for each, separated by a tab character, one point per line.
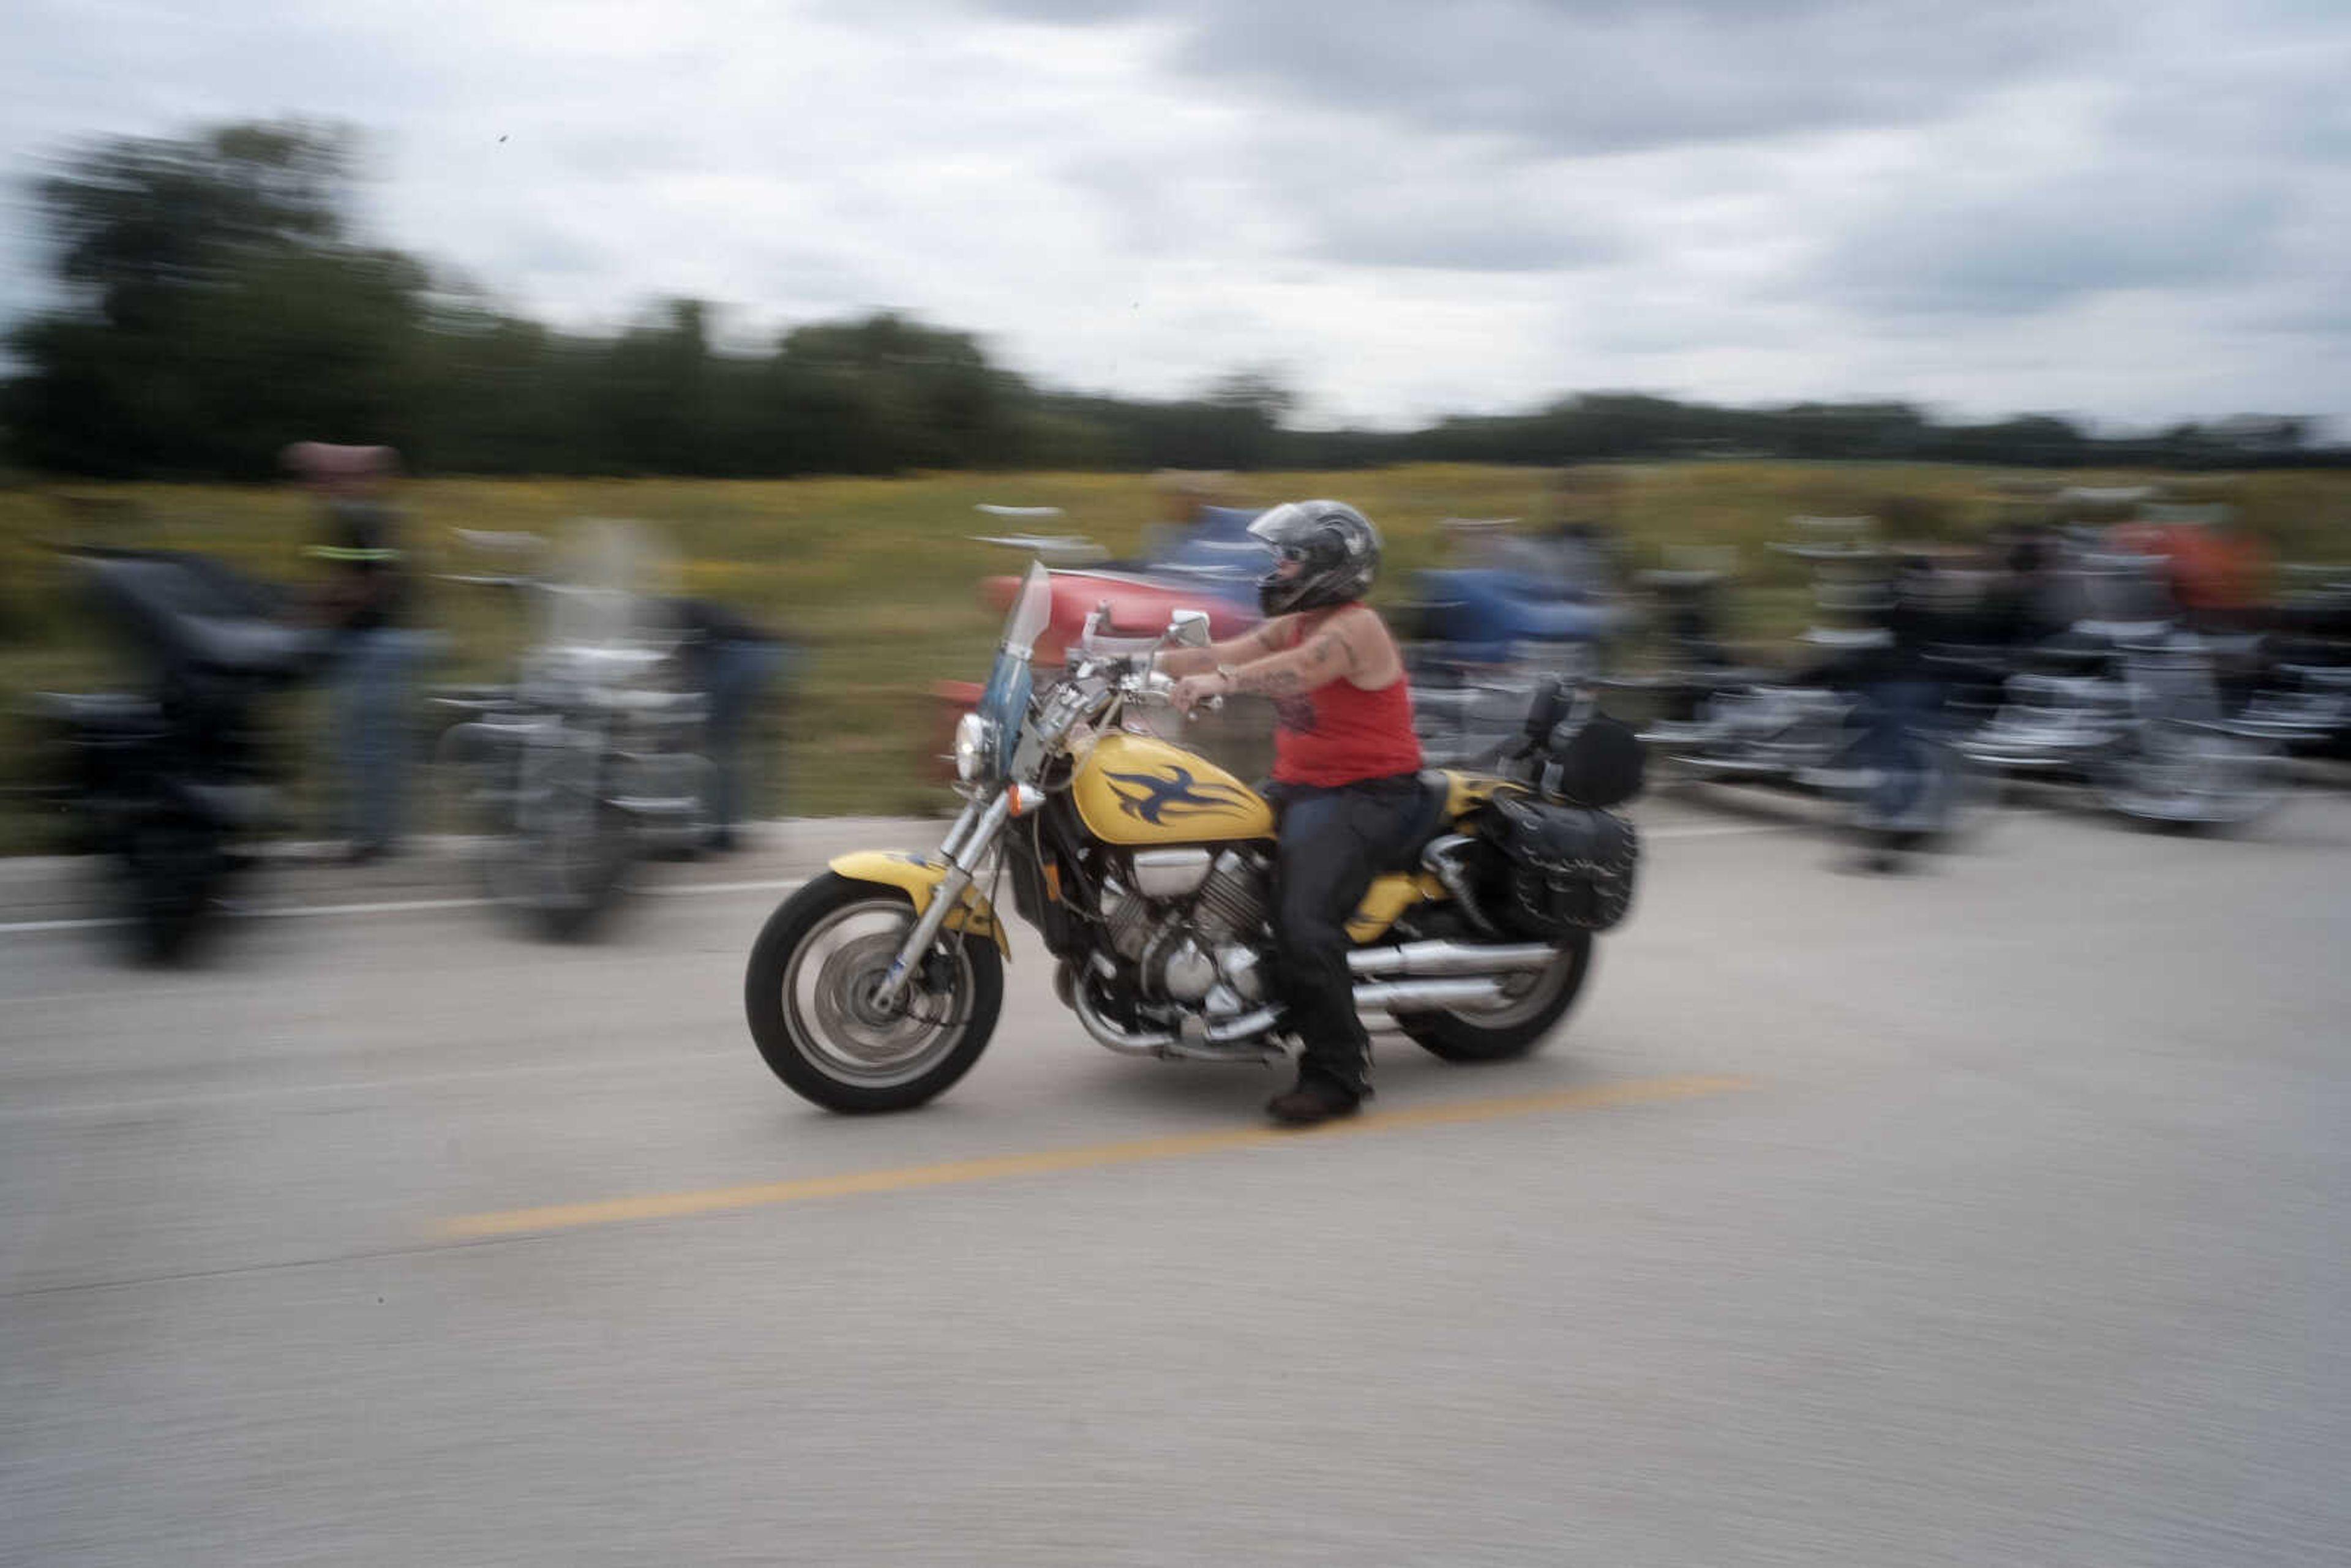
1032	609
1004	702
599	581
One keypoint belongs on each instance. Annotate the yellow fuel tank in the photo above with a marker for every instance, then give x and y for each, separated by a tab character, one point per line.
1134	789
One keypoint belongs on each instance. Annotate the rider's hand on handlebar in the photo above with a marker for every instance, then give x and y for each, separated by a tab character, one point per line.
1194	690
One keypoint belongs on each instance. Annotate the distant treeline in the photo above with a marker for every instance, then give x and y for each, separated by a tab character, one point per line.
221	306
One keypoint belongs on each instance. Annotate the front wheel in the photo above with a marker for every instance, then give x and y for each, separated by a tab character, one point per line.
556	852
809	997
1522	1022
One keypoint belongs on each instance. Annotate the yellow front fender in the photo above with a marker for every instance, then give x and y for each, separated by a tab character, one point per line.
921	876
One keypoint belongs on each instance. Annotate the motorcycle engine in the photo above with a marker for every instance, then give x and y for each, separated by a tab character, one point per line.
1193	923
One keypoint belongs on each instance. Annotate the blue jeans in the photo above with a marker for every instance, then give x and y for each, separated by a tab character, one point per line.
1895	717
371	729
737	671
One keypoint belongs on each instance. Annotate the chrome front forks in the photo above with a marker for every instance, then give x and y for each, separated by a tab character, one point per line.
966	848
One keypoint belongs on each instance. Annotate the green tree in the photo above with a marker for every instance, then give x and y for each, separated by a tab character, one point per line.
216	307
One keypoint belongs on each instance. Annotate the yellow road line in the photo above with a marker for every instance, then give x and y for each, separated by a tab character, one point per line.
991	1167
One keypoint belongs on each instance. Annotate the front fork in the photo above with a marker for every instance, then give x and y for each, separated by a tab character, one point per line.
967	846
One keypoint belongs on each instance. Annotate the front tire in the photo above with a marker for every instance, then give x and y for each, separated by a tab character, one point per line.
1516	1028
556	853
806	990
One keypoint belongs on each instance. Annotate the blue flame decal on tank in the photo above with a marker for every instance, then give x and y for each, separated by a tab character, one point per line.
1178	792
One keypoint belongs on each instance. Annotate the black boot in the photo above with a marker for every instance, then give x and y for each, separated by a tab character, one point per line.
1317	1097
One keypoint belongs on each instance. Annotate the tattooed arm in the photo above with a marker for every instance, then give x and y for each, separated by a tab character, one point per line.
1270	637
1352	644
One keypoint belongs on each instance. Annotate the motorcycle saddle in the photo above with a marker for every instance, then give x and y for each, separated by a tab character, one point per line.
1428	822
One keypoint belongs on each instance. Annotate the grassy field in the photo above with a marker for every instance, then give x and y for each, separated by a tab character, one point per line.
877	577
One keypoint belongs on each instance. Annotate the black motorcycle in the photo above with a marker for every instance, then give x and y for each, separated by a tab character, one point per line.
174	782
2295	688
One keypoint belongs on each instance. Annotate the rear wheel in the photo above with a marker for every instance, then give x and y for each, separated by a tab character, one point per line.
1526	1017
168	877
809	997
2193	778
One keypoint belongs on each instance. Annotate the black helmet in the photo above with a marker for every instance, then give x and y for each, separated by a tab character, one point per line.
1336	547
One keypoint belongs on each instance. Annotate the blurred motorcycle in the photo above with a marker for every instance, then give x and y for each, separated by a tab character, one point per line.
173	782
2298	692
1489	634
1487	638
1856	726
2125	700
586	764
1212	567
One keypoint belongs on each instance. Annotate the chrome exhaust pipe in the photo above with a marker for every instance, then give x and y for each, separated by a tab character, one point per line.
1219	1042
1421	995
1126	1042
1230	1041
1248	1025
1449	958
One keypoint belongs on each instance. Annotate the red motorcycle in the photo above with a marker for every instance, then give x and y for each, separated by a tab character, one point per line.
1213	567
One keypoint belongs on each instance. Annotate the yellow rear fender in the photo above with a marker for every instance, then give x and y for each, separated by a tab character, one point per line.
920	876
1465	792
1388	897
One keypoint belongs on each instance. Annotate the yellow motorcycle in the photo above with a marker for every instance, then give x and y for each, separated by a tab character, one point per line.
1147	871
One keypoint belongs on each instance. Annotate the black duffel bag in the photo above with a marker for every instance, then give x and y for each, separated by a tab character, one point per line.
1578	753
1562	869
1595	762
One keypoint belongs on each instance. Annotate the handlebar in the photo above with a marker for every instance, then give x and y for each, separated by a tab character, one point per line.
1156	690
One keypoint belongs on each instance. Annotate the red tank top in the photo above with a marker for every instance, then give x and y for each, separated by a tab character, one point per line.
1340	733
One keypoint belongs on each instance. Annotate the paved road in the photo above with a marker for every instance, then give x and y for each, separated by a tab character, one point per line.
1991	1215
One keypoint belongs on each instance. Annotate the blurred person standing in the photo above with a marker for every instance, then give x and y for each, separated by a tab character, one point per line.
1198	530
2024	603
368	603
1582	541
731	660
1902	691
1188	499
2218	571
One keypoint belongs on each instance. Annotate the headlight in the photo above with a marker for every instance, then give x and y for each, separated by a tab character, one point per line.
975	747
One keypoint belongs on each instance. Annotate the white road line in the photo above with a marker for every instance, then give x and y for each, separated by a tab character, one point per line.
157	1105
399	906
698	889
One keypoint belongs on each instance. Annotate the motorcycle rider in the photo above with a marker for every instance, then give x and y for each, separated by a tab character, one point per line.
1345	774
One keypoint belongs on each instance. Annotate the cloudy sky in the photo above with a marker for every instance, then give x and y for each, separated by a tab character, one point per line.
2135	212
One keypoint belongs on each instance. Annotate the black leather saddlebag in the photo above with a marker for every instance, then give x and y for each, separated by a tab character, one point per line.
1561	868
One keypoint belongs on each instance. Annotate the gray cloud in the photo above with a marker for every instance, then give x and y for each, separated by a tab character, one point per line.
2047	243
1589	76
1416	208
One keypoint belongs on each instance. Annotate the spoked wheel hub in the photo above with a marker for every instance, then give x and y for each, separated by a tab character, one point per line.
831	991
